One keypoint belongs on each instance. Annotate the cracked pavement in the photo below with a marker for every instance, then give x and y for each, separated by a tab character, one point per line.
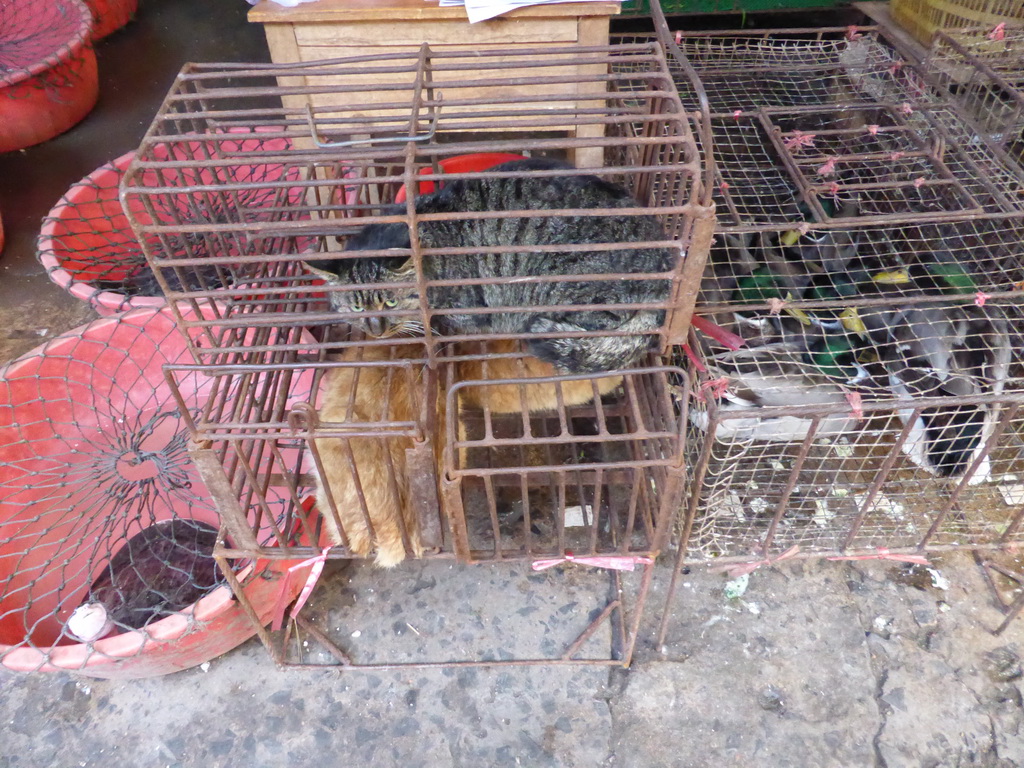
816	664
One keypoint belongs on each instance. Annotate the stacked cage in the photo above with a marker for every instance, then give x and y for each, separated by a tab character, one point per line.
469	399
857	337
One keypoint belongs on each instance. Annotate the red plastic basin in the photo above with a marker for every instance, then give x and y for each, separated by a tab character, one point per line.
474	163
93	450
87	245
48	80
110	15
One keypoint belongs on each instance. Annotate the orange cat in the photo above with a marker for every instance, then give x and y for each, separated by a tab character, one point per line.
387	506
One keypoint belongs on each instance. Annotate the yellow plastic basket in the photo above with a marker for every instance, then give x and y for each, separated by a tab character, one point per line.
923	18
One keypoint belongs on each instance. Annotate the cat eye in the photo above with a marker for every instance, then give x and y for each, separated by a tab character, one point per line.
357	307
391	303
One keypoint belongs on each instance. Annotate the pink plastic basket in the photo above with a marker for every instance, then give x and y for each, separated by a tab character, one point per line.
94	450
48	79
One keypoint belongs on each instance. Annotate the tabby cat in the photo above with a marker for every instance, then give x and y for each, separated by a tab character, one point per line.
568	355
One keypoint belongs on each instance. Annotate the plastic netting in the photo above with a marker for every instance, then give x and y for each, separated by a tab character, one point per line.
35	36
859	326
107	531
48	75
87	245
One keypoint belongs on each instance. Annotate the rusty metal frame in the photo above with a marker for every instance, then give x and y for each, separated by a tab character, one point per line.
624	96
623	612
986	211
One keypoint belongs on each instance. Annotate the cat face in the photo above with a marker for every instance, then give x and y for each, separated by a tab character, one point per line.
365	304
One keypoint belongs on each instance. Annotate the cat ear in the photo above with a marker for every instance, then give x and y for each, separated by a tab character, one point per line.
318	270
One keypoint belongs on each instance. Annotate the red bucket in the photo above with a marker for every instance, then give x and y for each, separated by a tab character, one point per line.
87	245
474	163
48	79
110	15
94	450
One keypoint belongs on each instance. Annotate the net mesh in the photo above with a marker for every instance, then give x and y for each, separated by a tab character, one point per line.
858	345
34	36
105	524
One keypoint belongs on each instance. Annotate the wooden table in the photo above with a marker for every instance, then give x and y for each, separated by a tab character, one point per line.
337	28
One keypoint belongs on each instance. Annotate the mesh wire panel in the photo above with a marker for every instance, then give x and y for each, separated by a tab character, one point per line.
905	432
804	121
857	354
106	528
36	36
982	70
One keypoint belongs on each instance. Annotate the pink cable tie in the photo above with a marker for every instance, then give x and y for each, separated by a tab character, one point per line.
724	337
884	554
852	33
799	139
775	306
307	588
611	562
856	404
717	388
694	359
980	298
828	167
735	570
998	32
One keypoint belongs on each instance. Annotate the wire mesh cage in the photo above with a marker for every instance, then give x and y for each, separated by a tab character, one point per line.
107	529
436	289
981	70
855	356
48	78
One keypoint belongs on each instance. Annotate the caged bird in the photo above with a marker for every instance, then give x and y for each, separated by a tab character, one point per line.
545	328
944	351
771	376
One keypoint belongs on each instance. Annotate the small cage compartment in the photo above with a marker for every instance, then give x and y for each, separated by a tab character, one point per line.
834	270
353	460
543	465
625	180
856	119
903	432
981	72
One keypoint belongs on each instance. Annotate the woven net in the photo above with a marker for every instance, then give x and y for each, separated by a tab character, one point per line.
859	385
36	35
100	504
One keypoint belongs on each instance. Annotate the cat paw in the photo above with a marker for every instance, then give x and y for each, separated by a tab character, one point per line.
389	557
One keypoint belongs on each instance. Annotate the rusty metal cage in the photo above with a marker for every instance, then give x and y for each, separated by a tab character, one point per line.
220	230
981	70
856	343
440	442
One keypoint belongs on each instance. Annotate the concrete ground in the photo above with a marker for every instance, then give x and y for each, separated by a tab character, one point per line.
815	664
